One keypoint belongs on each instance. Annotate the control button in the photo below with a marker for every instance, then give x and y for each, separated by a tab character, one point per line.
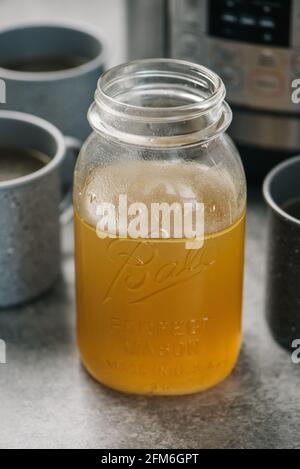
267	59
267	9
263	84
248	20
267	23
268	37
229	18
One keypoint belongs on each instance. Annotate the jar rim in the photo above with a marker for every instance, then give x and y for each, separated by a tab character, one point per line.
115	74
160	102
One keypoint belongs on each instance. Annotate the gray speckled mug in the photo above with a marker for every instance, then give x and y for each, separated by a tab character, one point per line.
31	210
283	281
62	97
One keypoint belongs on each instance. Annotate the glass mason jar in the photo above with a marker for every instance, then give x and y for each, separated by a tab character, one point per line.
159	307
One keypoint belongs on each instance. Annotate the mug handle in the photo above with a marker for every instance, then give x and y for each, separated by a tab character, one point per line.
66	205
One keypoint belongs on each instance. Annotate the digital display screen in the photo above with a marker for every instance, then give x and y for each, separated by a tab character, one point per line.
252	21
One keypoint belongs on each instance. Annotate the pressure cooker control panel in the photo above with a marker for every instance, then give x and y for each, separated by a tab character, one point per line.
254	45
256	22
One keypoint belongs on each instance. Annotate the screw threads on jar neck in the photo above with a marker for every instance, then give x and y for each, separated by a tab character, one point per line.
160	102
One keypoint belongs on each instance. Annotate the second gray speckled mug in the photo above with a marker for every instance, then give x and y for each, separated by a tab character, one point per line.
30	210
283	280
62	97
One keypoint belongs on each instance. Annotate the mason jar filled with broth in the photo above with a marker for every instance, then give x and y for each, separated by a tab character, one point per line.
160	202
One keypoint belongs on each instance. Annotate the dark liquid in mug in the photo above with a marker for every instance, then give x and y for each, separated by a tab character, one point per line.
44	64
292	208
16	163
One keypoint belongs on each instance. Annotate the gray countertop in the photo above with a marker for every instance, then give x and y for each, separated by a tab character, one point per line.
49	401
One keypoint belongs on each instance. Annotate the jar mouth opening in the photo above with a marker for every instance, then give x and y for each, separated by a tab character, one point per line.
142	88
160	102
